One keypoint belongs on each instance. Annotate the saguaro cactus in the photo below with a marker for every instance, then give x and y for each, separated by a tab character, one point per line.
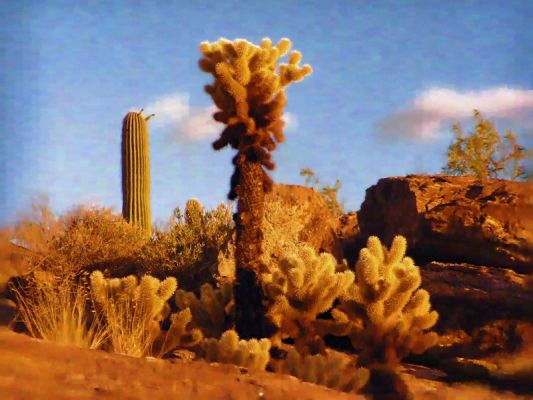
136	171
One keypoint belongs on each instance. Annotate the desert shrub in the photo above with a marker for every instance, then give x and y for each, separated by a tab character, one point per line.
331	370
483	153
76	240
252	354
189	248
301	286
57	309
329	193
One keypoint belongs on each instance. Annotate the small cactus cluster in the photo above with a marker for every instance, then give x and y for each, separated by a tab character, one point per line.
180	334
300	287
252	354
212	311
132	309
386	312
331	370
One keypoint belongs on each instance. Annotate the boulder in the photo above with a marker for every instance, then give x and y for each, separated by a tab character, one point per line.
470	296
295	214
454	219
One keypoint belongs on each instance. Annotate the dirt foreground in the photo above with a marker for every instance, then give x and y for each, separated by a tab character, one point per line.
37	369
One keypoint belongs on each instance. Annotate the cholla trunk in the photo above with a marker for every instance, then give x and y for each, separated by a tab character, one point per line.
250	309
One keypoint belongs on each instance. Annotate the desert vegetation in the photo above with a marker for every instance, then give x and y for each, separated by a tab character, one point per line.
98	279
484	153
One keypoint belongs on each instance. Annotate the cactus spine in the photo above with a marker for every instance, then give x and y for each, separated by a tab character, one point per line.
136	171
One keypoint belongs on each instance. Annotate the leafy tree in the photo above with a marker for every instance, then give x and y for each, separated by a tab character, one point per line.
329	193
484	154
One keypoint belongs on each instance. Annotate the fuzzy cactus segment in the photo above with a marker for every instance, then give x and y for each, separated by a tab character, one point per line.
133	310
250	94
331	370
180	334
212	311
253	354
387	311
300	287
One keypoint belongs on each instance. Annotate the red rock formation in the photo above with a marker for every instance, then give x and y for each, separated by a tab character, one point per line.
468	296
454	219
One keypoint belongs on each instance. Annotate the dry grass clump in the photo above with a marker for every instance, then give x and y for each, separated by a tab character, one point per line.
57	309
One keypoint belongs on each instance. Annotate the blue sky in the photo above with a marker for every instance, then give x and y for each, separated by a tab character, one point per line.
389	80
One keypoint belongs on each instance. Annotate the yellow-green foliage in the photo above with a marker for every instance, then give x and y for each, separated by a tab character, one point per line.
212	312
387	313
329	193
301	286
136	171
250	95
133	310
331	370
483	153
189	248
253	354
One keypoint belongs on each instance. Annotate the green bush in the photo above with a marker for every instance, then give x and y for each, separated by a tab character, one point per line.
188	249
484	154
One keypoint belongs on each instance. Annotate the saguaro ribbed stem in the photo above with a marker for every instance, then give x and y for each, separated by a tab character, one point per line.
136	171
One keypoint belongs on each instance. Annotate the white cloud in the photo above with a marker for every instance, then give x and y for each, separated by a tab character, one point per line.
435	110
291	121
184	123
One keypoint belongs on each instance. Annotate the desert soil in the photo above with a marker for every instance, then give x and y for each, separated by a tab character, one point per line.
37	369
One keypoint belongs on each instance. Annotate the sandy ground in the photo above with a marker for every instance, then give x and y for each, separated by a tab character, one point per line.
37	369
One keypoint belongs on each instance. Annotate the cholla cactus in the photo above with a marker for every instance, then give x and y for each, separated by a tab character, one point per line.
211	312
133	310
180	334
253	354
331	370
387	312
250	96
300	287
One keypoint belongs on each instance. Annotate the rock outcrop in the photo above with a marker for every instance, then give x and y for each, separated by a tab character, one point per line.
316	224
454	219
293	214
469	296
